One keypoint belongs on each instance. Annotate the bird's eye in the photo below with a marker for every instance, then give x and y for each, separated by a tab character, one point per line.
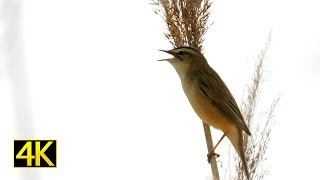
181	52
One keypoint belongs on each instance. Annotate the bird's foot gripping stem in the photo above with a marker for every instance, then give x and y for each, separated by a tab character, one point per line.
210	154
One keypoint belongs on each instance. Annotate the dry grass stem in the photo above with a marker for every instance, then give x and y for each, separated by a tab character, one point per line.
256	146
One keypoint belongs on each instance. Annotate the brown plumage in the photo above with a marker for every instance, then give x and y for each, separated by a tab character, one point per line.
210	97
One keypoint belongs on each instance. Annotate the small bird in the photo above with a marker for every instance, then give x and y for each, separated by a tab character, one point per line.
210	97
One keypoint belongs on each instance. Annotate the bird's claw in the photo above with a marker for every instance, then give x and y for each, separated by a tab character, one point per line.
210	154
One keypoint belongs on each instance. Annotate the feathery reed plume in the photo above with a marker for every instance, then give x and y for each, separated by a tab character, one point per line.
257	145
187	21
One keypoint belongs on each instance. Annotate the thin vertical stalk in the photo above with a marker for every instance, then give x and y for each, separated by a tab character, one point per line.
213	160
13	48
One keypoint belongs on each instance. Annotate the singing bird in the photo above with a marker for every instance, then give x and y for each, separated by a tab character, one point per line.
210	97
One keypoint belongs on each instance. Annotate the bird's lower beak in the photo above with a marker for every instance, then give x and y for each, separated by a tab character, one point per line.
168	59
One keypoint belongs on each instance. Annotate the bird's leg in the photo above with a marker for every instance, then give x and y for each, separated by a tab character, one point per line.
211	153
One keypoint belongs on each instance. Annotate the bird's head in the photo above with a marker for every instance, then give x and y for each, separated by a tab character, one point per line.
185	58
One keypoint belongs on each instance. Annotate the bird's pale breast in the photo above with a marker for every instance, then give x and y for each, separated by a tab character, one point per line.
204	108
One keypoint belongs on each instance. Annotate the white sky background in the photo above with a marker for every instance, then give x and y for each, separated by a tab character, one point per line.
117	113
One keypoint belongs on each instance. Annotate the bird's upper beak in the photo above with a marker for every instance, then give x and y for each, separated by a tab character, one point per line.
168	59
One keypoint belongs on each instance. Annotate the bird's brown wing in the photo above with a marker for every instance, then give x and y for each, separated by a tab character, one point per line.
213	87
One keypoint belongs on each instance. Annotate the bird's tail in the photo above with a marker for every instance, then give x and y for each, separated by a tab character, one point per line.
236	139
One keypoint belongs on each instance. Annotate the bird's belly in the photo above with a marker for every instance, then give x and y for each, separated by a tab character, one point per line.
207	111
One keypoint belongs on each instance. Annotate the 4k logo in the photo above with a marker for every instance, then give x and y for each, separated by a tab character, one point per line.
35	153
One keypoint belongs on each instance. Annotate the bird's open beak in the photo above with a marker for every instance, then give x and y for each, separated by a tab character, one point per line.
168	59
